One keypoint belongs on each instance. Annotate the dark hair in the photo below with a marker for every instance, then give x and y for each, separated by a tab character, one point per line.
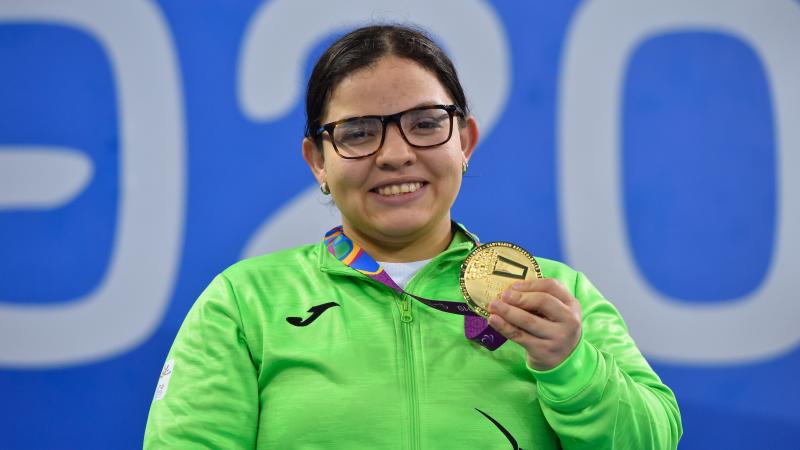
365	46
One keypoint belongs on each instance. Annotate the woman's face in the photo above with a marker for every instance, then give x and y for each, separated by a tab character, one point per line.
363	188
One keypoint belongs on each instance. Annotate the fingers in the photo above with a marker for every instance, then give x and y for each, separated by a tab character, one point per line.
541	316
546	343
540	303
513	333
550	286
519	320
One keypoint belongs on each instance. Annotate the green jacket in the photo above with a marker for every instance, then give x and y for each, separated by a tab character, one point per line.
371	369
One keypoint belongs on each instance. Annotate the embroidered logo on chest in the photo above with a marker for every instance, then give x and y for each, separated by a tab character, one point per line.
315	312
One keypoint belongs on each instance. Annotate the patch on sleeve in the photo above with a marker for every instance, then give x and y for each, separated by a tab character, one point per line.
163	380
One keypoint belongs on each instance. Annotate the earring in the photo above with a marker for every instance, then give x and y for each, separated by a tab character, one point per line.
464	167
323	187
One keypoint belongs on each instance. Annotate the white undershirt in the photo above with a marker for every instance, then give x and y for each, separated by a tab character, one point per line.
401	272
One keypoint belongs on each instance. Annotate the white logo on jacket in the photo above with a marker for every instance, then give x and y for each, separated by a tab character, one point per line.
163	380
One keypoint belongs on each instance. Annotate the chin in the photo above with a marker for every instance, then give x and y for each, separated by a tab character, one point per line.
404	225
400	228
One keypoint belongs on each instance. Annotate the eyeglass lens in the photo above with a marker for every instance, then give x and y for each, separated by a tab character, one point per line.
421	127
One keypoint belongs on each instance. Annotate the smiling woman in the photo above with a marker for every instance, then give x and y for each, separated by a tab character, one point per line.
339	345
395	199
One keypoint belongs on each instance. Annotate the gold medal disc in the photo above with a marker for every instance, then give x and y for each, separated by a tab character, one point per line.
490	269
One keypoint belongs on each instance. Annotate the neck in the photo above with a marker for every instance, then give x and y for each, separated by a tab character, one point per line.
423	245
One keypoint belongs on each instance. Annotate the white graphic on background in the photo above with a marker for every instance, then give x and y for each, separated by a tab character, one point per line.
35	177
304	219
271	79
129	302
598	47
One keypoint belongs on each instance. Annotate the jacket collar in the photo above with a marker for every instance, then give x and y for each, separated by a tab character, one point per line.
462	243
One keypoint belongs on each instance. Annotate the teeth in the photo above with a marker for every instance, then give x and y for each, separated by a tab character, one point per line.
397	189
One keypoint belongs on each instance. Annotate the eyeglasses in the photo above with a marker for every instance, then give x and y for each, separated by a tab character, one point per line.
422	127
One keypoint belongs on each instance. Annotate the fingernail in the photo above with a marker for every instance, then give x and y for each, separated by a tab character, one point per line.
518	285
494	305
492	320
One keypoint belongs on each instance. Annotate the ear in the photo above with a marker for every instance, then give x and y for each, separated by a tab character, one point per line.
469	137
315	159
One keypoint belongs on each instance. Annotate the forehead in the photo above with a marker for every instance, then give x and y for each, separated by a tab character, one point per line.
390	85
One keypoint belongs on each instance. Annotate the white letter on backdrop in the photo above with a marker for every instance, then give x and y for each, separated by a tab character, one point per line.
279	39
601	39
127	305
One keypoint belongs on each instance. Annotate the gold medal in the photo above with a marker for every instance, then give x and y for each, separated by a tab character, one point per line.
490	269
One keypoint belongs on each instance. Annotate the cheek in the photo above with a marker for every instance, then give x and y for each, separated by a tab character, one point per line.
346	176
450	168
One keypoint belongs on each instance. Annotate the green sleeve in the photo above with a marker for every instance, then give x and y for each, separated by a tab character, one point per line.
211	398
605	395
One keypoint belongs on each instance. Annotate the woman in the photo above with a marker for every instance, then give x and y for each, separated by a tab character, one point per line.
316	347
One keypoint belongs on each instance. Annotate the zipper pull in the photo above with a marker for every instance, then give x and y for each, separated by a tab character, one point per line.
405	306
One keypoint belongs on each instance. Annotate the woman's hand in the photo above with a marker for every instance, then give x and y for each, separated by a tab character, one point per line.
542	316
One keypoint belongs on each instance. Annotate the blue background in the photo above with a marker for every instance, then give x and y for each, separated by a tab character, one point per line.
697	120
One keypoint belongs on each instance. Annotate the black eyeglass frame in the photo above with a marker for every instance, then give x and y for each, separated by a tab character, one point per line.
386	120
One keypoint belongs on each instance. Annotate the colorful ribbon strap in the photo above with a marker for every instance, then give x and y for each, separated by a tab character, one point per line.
476	328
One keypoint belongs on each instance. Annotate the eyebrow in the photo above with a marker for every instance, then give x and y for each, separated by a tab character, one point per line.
418	105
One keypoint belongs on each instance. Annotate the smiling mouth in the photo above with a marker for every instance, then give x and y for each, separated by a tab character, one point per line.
398	189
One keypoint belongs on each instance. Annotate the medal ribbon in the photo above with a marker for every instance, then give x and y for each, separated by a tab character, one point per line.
476	328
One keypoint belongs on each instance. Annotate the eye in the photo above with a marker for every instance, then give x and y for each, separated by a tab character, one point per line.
426	122
356	132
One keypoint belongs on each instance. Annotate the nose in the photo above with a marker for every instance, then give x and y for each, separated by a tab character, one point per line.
395	151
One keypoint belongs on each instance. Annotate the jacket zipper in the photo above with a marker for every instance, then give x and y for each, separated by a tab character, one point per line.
407	318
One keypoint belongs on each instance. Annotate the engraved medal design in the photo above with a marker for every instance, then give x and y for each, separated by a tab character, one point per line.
490	269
